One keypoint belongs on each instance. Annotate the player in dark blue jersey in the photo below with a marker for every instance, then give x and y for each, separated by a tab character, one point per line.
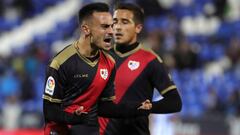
79	80
139	71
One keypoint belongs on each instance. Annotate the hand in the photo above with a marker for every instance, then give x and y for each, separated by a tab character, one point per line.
80	111
146	105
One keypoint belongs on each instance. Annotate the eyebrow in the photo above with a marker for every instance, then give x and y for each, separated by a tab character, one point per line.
123	19
106	25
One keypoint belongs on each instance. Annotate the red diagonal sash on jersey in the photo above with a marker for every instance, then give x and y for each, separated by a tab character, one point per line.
125	77
91	95
123	72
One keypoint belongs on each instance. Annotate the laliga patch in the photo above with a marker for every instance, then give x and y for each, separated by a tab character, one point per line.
104	73
133	65
50	85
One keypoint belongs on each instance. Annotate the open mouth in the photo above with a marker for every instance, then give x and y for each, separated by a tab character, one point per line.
108	40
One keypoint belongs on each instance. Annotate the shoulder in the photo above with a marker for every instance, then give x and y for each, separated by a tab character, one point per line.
149	52
62	56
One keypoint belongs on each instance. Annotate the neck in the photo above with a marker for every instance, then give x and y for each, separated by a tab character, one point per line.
85	48
123	48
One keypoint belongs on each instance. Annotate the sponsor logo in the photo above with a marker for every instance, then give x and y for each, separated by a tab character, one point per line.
133	65
50	85
80	76
104	73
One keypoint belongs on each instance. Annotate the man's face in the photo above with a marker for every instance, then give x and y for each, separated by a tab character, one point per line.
101	30
124	28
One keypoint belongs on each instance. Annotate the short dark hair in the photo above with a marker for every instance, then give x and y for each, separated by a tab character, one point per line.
87	10
138	12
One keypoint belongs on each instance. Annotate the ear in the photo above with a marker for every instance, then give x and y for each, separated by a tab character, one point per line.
138	28
85	29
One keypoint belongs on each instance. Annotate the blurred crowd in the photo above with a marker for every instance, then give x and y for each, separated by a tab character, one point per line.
199	40
14	12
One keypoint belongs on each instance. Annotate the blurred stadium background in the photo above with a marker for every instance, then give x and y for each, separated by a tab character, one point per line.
199	41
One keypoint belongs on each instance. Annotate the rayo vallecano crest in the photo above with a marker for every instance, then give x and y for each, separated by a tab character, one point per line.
104	73
133	65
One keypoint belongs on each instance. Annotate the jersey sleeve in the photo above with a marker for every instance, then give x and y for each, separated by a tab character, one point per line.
54	83
160	77
108	93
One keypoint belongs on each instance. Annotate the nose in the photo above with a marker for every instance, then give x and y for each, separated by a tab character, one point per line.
117	27
110	31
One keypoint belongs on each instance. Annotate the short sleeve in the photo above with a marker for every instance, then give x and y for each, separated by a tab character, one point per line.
160	77
54	85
